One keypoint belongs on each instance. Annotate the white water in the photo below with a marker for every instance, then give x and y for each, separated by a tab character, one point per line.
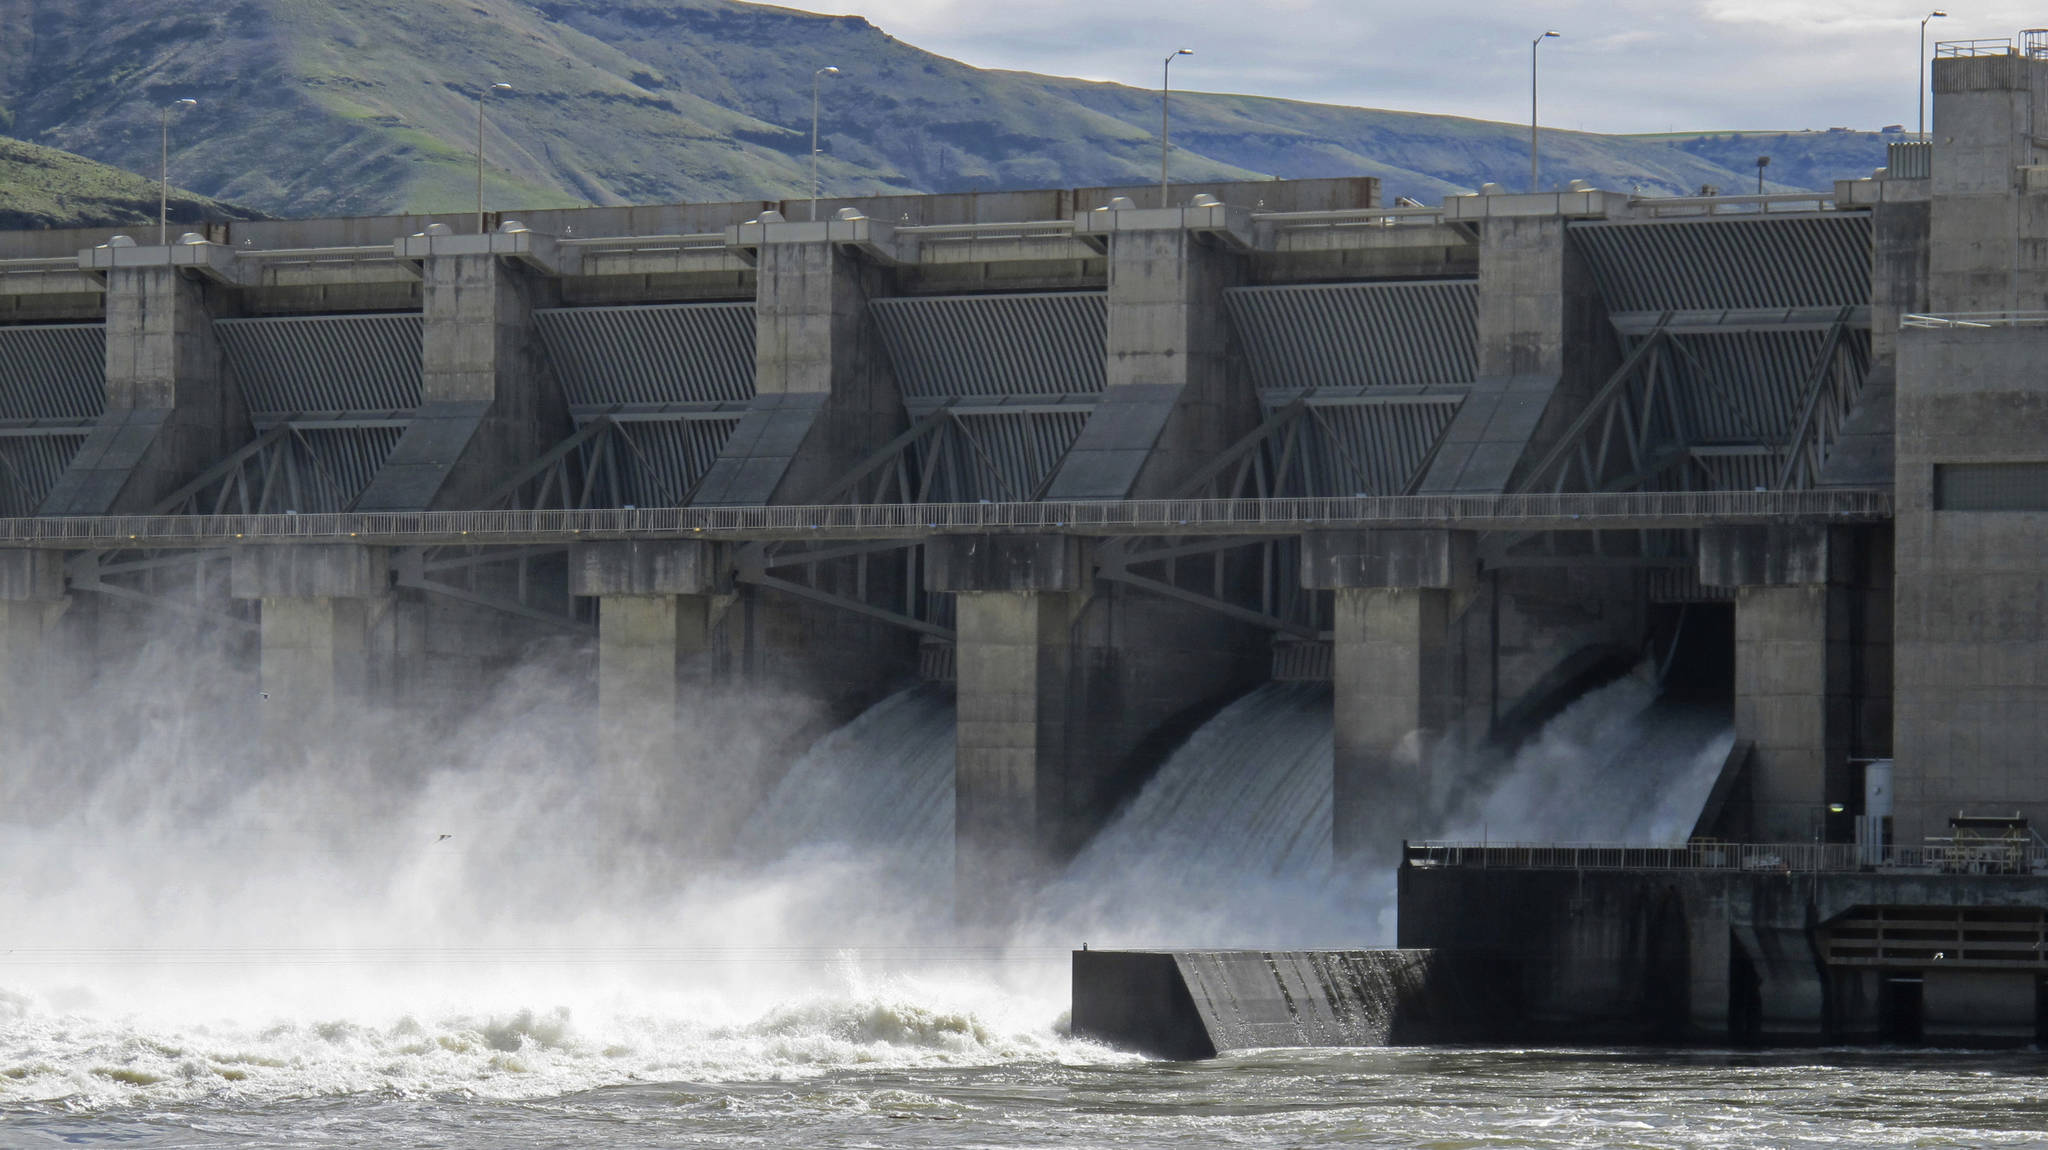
881	785
417	910
1617	766
1229	844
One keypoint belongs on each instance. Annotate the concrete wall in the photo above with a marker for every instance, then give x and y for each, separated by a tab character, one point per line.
1990	218
1706	956
1971	625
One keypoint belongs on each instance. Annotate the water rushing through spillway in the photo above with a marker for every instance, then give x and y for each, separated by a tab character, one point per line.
1229	843
466	938
881	785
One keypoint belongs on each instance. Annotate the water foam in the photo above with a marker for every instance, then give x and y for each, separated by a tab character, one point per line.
899	1023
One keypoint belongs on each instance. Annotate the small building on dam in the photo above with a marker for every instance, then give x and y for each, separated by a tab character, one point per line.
1102	464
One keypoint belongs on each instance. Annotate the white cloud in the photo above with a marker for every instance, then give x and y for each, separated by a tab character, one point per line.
1623	65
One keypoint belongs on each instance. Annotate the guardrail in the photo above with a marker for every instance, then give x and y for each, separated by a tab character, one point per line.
1658	207
674	244
1643	510
1983	858
1992	46
1977	319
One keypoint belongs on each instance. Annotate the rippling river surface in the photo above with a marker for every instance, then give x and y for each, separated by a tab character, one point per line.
908	1067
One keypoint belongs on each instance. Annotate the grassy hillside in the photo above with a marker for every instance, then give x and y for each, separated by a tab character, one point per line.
45	188
368	106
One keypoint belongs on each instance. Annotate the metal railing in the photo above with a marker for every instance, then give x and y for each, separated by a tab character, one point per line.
635	245
1994	46
1535	511
1977	319
1659	207
1351	218
1978	858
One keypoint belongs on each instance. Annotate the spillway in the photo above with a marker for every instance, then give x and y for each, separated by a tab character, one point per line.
1229	843
1248	794
880	786
1619	765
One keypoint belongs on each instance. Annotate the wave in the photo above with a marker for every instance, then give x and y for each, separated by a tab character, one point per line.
902	1023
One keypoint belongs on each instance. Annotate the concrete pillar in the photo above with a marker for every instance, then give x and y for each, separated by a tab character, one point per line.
1173	397
487	402
1391	680
656	603
1020	752
31	599
824	396
1794	664
321	603
170	412
1543	347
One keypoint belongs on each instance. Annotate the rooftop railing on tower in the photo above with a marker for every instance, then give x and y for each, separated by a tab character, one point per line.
1996	46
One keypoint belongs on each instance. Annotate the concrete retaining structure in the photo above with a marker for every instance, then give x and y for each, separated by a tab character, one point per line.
1192	1004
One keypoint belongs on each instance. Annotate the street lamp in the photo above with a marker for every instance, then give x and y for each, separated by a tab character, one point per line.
163	203
1937	14
1166	86
480	151
817	78
1762	162
1533	168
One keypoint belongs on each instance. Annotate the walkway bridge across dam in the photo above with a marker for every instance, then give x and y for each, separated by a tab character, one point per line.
1103	463
1583	511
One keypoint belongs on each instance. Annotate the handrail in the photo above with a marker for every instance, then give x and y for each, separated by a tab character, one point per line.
1522	512
1661	206
349	251
1987	857
1975	319
40	263
976	231
1351	217
1992	46
634	243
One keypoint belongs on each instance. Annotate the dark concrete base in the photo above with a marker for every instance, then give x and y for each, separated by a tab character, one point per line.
1189	1004
1747	957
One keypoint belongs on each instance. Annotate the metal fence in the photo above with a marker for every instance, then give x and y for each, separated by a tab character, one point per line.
1638	510
1989	857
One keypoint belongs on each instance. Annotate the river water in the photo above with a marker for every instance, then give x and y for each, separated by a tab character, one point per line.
900	1067
200	948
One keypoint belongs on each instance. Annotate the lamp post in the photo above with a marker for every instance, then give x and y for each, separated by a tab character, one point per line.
163	203
1937	14
480	151
1165	121
817	78
1534	169
1762	162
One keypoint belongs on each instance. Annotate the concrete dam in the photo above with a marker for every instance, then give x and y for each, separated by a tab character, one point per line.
1043	539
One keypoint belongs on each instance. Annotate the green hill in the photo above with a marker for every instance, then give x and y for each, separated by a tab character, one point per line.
45	188
315	107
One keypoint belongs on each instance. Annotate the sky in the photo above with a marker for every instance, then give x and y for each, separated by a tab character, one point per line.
1619	65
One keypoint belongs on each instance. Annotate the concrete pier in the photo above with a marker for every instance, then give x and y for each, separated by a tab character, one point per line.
656	605
170	411
320	607
1793	669
1019	762
31	598
487	404
1170	403
1391	676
